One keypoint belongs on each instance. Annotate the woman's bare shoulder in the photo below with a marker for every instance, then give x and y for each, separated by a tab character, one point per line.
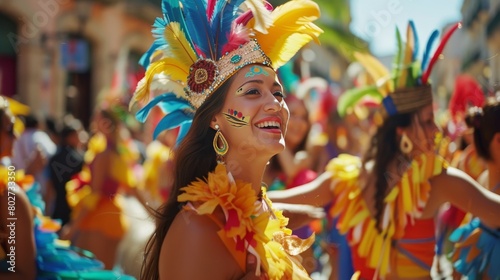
193	241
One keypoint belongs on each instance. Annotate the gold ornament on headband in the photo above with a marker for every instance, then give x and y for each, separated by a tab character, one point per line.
206	75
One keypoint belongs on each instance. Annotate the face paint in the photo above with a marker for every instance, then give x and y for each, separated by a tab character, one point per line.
236	118
256	70
239	91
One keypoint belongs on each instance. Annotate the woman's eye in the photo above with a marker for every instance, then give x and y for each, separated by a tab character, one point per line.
252	91
279	93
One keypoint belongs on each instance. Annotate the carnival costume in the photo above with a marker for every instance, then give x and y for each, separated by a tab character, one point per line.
477	246
105	208
199	45
402	244
55	259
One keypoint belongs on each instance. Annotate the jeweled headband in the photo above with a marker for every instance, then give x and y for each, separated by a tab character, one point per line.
406	88
200	44
206	75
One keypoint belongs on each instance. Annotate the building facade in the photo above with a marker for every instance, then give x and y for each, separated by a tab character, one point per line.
58	55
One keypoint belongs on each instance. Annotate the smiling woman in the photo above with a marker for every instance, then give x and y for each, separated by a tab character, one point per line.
216	65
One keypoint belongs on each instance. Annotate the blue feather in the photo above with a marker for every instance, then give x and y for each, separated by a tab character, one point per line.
172	120
157	31
168	102
427	52
184	128
145	58
415	40
199	30
173	13
221	22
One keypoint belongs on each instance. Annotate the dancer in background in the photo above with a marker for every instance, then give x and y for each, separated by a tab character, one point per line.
387	201
478	244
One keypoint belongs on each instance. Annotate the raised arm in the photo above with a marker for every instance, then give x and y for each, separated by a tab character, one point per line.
461	190
316	193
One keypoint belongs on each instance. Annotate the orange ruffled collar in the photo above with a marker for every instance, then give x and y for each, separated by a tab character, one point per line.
253	225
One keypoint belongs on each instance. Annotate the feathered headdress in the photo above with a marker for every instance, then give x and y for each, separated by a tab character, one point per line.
200	44
407	87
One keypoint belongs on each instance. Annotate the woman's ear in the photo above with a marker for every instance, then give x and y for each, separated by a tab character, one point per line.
399	131
213	122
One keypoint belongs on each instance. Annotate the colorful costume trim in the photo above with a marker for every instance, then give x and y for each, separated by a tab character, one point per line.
477	249
251	225
403	206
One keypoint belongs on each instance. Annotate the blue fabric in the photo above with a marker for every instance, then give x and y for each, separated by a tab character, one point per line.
345	267
486	263
389	105
58	262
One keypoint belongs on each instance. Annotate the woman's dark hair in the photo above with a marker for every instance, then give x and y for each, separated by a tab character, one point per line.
486	124
193	158
384	147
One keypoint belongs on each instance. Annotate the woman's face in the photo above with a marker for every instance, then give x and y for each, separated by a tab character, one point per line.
422	131
298	126
254	116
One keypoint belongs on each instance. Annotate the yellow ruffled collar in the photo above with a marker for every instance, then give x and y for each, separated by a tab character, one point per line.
253	225
403	204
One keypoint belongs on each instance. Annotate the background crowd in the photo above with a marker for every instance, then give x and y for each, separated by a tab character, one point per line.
99	173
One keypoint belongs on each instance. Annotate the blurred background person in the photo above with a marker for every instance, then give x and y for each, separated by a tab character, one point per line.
67	162
478	245
32	151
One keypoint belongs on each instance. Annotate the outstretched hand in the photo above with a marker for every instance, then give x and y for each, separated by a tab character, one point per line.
300	214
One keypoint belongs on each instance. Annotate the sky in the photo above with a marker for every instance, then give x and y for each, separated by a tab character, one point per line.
375	20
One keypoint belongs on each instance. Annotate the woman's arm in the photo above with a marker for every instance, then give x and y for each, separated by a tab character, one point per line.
292	164
317	193
23	245
100	167
300	215
456	187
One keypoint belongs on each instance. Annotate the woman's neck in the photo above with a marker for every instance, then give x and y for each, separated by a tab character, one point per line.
250	171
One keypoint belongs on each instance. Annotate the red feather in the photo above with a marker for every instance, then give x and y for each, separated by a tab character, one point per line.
438	52
210	9
245	17
237	37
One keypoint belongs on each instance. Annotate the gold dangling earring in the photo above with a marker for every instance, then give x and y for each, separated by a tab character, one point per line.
220	151
405	145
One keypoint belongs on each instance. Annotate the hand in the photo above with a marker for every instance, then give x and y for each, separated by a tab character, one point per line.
37	162
67	232
300	214
251	267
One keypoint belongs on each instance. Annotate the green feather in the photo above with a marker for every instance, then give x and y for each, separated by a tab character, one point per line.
351	97
396	64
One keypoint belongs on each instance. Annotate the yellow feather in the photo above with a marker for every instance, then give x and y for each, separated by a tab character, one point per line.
261	16
161	83
292	24
376	70
171	67
410	44
179	46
